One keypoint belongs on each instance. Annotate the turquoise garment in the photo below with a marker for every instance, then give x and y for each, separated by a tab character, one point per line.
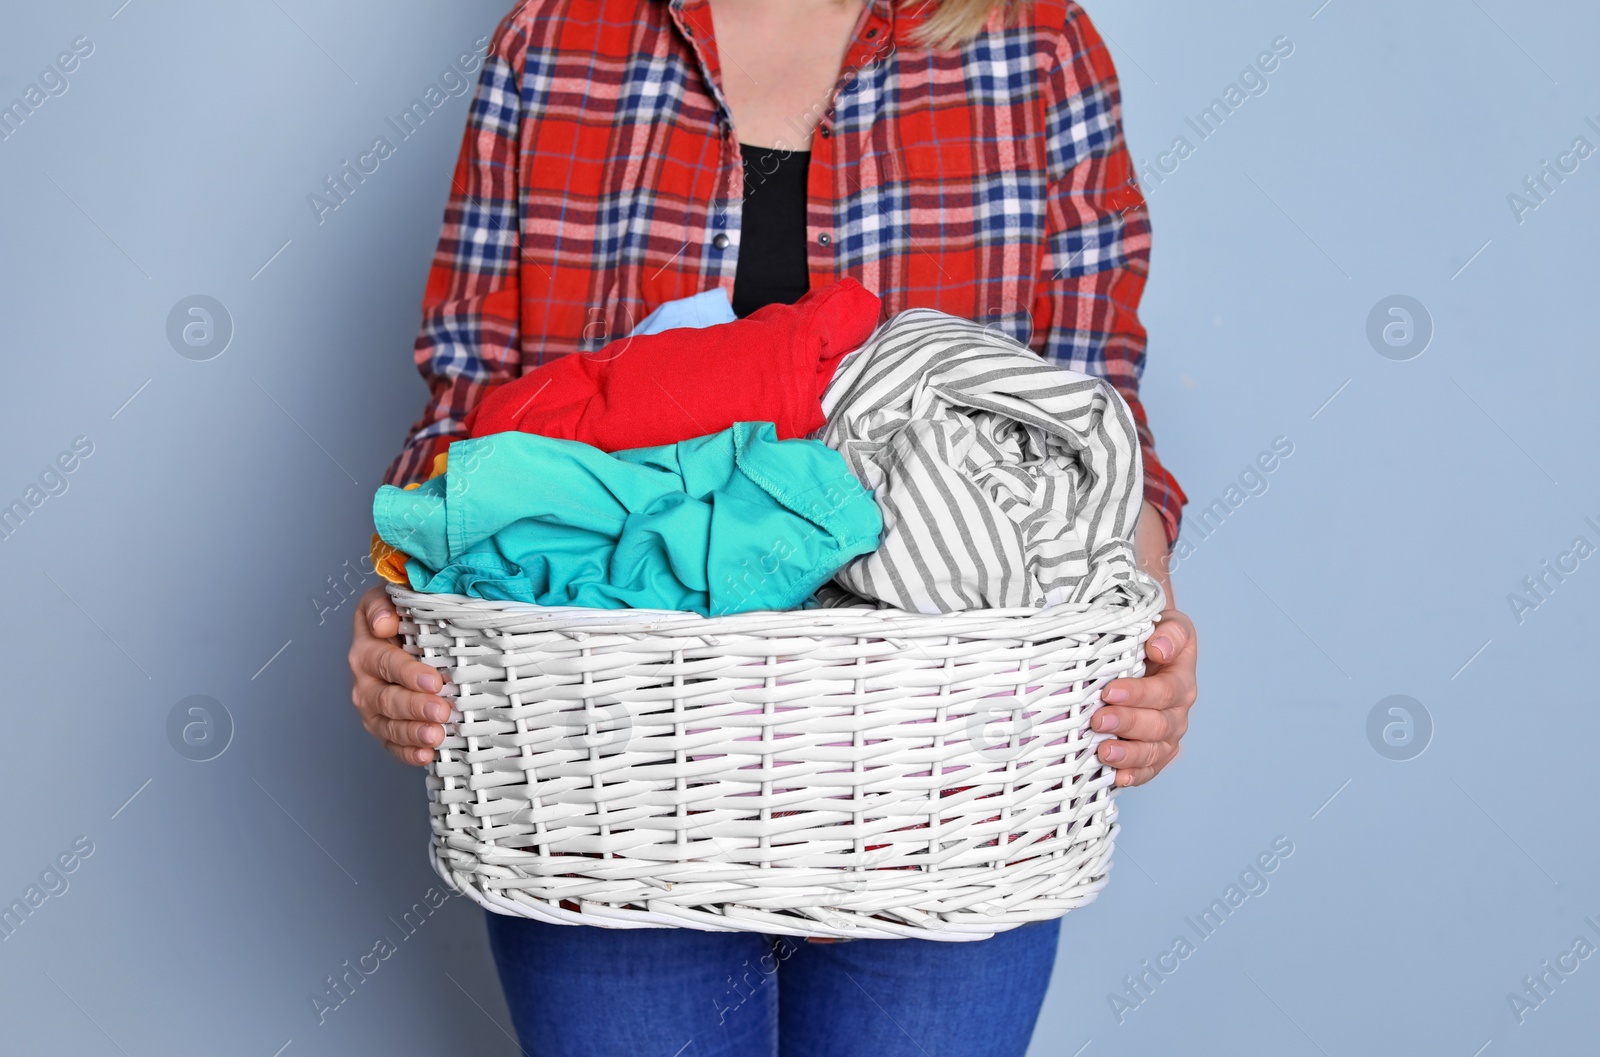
726	523
705	309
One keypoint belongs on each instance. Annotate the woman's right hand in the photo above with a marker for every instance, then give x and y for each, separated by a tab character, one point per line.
396	694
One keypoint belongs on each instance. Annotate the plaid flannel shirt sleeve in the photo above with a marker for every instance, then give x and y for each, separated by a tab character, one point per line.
1097	242
470	338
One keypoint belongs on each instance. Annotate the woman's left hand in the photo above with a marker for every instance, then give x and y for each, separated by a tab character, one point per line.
1149	714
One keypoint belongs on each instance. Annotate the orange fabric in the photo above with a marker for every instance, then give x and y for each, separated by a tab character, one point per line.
388	562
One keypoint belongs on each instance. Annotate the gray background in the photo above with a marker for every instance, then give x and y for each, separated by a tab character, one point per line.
187	552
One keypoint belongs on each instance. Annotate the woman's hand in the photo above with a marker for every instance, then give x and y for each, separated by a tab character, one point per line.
395	693
1150	714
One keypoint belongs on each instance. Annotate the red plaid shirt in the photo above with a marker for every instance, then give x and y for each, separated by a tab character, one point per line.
600	176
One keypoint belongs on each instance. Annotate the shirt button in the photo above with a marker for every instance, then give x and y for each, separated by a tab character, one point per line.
873	32
720	242
824	132
824	239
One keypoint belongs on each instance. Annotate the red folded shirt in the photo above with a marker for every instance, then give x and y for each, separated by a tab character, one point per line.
639	392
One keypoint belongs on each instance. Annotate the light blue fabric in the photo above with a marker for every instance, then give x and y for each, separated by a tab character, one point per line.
726	523
704	309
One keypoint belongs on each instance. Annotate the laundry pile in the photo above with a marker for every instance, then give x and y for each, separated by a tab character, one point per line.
720	465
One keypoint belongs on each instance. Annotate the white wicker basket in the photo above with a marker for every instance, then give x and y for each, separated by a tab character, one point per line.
849	772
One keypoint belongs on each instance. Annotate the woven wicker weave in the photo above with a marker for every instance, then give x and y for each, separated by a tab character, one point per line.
848	772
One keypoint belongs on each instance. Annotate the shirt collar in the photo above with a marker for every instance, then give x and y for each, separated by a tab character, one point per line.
883	9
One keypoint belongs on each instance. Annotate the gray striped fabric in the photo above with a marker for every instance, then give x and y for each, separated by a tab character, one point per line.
1004	480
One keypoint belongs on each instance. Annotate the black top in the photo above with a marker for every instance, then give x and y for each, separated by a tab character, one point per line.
772	240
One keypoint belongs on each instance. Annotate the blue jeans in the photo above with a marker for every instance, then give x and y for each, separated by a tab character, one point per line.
581	991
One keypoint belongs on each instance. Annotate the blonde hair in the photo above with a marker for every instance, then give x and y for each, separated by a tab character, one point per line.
954	22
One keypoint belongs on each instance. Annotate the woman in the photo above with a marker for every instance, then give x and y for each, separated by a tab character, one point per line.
964	155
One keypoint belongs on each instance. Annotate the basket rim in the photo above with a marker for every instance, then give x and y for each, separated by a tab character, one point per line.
1138	601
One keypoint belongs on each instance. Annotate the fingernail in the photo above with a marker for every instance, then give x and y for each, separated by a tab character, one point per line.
1111	753
1108	721
438	713
430	683
1163	646
1112	695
